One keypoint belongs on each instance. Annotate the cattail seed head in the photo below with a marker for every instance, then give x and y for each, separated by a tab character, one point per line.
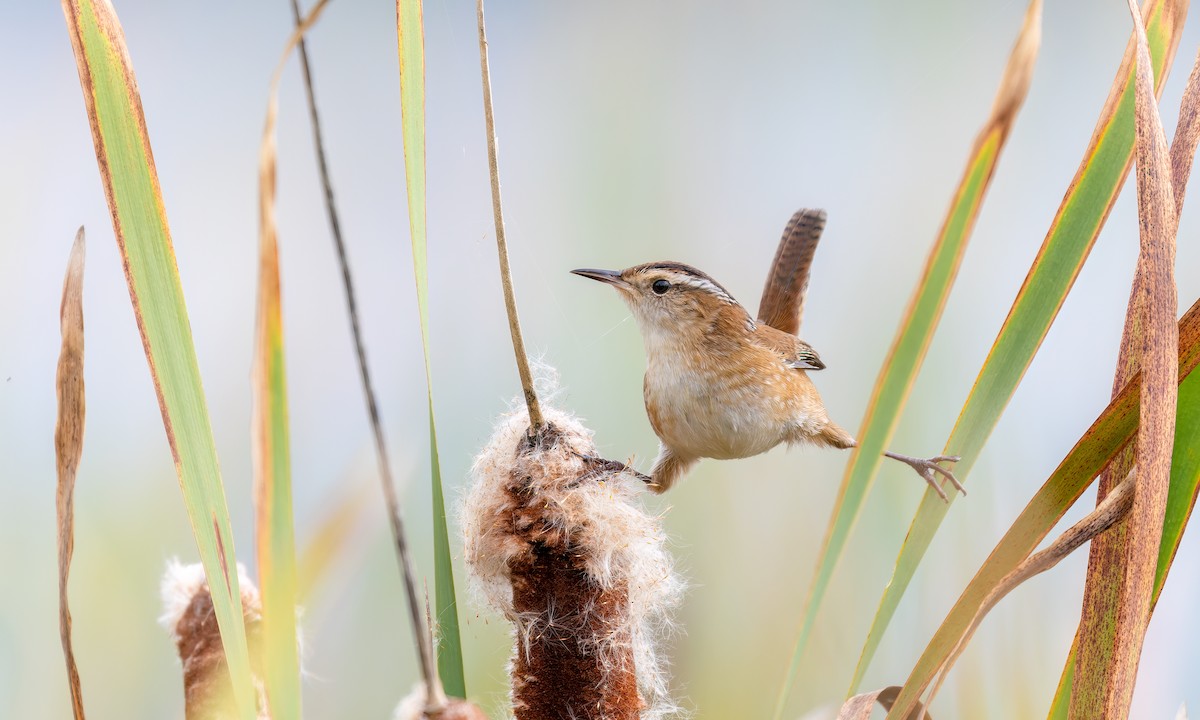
555	541
189	618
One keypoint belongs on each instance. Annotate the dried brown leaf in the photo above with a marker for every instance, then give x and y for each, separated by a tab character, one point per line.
1108	664
1187	135
860	706
1106	568
68	447
1104	580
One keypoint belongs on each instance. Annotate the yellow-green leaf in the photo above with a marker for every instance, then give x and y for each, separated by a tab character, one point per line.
130	181
896	378
274	528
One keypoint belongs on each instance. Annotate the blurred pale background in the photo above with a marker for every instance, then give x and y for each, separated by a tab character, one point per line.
630	131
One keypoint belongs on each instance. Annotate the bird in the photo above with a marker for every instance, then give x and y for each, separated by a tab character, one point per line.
724	384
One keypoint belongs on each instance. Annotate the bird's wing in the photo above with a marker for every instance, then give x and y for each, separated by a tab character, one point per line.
783	295
794	352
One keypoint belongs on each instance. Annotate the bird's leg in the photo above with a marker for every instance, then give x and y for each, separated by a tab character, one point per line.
926	467
668	468
835	436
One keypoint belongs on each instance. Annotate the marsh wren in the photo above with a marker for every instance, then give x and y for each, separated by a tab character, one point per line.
722	384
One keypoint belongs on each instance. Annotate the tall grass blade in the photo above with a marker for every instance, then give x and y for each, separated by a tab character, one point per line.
140	224
410	35
1116	426
895	381
1072	233
68	448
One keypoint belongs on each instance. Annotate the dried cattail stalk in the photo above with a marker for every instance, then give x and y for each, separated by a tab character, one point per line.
188	616
415	706
555	542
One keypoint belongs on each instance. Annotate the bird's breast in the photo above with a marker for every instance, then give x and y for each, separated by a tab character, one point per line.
733	405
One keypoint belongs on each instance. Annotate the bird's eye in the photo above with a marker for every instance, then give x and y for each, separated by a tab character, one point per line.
660	287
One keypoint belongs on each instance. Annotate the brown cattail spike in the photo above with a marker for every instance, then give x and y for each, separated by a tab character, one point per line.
188	616
555	542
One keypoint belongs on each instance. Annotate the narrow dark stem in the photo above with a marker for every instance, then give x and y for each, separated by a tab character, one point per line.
510	300
436	697
1112	509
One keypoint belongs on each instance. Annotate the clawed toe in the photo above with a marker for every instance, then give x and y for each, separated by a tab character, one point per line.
599	464
933	465
929	468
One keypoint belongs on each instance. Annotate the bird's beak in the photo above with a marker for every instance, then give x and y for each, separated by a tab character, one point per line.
611	277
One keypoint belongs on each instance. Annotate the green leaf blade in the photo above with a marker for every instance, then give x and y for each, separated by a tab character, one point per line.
1068	243
139	221
411	51
893	389
899	371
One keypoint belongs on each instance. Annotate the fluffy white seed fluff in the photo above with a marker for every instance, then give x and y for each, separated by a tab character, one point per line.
412	706
620	543
180	584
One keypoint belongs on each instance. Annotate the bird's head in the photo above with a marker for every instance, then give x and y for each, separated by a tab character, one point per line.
670	298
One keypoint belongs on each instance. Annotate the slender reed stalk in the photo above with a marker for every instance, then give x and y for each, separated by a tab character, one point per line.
510	300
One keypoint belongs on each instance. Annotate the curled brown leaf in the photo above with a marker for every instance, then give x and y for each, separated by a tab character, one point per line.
68	447
860	706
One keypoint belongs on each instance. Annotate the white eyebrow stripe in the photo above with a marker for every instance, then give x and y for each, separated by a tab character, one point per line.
700	283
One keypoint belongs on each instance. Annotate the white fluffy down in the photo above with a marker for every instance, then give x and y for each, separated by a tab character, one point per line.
180	584
620	542
412	705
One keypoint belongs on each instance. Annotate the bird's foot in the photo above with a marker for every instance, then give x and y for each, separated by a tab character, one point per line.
927	467
599	464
